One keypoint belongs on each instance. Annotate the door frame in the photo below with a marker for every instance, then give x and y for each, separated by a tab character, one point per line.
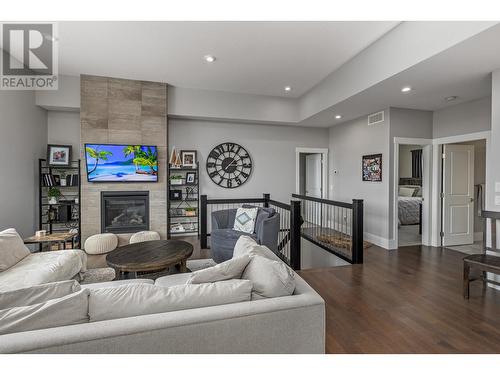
324	168
426	144
438	175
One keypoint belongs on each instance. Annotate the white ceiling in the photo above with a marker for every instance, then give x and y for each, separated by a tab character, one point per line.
252	57
463	71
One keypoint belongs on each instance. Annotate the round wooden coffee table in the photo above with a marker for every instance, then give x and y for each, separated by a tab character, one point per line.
149	256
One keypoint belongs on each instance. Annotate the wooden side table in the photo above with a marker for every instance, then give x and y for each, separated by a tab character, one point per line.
59	238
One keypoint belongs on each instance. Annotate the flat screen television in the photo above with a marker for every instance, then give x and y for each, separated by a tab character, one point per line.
121	163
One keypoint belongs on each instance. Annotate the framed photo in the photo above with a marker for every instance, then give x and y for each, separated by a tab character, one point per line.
188	158
190	177
175	195
59	155
372	168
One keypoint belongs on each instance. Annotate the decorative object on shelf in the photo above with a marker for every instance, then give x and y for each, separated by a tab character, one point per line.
175	159
191	178
53	194
176	180
40	233
372	168
177	228
175	195
190	211
229	165
62	178
188	158
59	155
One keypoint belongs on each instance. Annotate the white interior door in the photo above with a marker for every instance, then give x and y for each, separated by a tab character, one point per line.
458	195
313	175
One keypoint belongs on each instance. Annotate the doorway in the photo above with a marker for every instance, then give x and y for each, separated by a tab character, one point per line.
311	171
463	177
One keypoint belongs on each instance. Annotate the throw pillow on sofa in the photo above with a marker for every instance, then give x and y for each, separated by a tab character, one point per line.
64	311
230	269
143	299
270	278
244	221
37	294
12	249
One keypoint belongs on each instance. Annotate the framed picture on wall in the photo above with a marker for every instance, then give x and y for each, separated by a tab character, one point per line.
191	178
371	166
59	155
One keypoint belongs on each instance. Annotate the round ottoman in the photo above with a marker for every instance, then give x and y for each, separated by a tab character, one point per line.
101	243
146	235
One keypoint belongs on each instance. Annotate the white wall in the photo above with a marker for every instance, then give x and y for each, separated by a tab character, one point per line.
23	140
272	149
64	128
348	143
469	117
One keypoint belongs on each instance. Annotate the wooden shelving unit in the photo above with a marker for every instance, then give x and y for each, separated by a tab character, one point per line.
50	215
190	197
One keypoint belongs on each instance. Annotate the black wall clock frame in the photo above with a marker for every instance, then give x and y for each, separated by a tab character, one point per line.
229	165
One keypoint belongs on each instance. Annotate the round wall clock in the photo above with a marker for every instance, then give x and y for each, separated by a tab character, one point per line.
229	165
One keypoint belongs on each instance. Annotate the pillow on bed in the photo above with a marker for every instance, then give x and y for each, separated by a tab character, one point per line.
406	192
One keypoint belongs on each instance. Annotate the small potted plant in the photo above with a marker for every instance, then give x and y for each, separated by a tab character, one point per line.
190	211
176	180
62	176
53	194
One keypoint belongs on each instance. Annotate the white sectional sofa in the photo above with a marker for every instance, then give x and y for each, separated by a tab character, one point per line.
287	324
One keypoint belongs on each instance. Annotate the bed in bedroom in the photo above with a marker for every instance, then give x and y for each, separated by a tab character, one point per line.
410	203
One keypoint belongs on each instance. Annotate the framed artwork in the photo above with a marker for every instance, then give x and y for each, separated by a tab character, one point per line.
188	158
372	168
190	177
175	195
59	155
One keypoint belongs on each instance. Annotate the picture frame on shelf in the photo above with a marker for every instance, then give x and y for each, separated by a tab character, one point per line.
175	195
177	228
59	155
191	178
188	158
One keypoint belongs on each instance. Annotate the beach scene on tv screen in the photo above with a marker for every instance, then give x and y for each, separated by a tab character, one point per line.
121	163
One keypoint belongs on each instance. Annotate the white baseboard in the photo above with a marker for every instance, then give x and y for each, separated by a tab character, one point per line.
478	236
380	241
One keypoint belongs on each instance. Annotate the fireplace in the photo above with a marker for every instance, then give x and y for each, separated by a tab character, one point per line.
124	211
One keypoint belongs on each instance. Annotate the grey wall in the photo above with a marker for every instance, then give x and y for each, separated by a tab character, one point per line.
23	129
272	149
469	117
405	160
348	143
64	128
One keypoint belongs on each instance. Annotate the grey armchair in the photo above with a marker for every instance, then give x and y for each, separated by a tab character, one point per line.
223	237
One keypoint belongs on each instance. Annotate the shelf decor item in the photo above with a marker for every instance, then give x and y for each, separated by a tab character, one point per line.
59	155
62	178
191	178
175	195
190	211
176	180
188	158
53	194
372	168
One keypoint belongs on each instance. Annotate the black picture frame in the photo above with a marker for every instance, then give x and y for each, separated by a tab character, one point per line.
190	178
175	195
371	168
51	148
187	153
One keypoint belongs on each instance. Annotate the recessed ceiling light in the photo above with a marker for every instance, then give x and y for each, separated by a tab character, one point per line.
288	88
451	98
209	58
338	117
406	89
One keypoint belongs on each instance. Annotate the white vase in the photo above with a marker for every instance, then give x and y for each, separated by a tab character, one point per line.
63	181
52	200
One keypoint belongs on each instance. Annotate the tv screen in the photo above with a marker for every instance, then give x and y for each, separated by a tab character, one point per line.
121	163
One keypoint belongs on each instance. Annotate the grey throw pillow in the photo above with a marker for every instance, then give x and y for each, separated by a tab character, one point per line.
270	278
12	249
230	269
37	294
64	311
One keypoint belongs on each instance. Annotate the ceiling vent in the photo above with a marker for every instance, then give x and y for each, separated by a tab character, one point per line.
376	118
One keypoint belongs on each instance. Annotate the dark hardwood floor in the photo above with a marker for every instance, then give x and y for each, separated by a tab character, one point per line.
406	301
